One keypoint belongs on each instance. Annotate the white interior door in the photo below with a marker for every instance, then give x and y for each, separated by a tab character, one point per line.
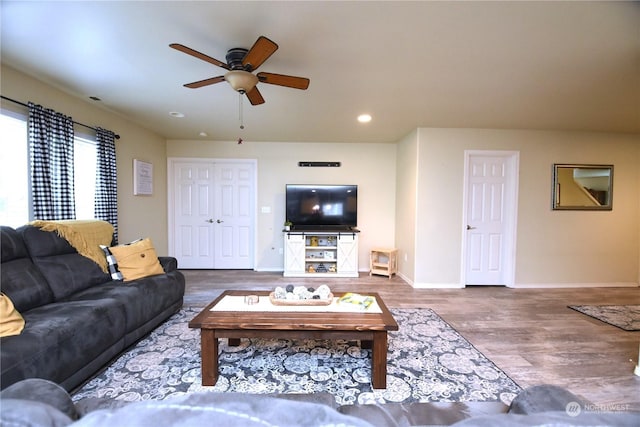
211	213
490	217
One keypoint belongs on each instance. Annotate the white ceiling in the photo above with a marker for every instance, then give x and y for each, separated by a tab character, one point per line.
526	65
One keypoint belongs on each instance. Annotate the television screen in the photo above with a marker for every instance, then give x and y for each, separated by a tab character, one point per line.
322	206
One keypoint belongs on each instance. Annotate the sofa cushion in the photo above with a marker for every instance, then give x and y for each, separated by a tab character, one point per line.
429	413
20	279
137	259
223	409
85	235
63	267
142	300
555	419
11	322
11	244
60	339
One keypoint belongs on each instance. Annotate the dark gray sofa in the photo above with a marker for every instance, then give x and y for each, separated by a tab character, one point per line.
76	318
45	404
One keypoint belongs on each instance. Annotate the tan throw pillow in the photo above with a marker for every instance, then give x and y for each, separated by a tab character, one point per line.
137	259
11	322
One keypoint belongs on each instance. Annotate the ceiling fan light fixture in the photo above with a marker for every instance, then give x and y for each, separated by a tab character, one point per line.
241	81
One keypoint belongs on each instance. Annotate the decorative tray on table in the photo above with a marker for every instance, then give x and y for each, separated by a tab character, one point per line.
280	301
300	295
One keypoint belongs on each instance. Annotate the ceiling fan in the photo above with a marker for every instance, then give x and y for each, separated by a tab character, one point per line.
240	65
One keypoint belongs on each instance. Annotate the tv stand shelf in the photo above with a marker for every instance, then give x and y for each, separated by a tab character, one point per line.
321	253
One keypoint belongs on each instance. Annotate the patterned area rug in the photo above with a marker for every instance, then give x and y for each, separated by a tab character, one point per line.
428	361
625	317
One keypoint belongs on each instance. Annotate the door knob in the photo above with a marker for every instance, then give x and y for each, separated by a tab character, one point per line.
470	227
210	220
219	221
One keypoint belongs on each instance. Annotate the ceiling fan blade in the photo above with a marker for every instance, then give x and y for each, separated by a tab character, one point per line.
261	50
205	82
199	55
255	97
283	80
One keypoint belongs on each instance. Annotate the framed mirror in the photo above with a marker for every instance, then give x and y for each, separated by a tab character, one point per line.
582	187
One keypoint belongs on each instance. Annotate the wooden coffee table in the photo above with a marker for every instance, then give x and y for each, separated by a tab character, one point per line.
369	328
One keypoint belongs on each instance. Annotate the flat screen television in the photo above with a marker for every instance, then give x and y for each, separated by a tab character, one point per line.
322	206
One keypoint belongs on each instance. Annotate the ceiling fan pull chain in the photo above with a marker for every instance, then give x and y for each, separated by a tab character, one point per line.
240	112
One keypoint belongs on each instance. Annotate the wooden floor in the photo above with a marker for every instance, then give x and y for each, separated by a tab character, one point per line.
528	333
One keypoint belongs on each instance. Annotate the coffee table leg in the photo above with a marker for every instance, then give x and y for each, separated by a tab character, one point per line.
379	360
209	356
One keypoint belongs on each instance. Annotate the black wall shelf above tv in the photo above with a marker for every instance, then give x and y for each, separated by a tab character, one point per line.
319	164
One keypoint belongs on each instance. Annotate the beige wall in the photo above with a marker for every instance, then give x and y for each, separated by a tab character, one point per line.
553	247
410	193
139	216
406	182
370	166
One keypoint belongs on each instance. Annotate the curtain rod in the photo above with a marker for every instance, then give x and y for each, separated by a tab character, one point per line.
116	136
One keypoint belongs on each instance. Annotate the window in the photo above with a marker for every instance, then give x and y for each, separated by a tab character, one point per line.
15	197
84	172
14	171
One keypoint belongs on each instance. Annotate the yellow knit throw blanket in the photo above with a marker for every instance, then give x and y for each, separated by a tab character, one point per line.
85	236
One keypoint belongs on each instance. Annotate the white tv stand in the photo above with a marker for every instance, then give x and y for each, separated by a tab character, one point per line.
321	253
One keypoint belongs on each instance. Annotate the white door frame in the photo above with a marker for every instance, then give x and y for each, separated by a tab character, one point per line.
171	197
511	207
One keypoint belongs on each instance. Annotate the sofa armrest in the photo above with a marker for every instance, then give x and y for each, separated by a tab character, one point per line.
544	398
43	392
168	263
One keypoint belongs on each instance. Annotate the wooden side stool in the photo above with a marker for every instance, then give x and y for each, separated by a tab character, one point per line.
383	261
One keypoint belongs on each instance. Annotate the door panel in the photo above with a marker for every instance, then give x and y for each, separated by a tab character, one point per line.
294	255
234	207
347	254
193	183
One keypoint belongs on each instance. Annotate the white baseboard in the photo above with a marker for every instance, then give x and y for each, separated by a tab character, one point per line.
269	270
438	286
576	285
419	285
405	278
429	285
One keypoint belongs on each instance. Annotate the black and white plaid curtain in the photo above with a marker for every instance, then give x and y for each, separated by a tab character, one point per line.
51	158
106	201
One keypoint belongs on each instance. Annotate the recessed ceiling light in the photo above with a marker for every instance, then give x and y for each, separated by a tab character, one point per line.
364	118
203	134
176	114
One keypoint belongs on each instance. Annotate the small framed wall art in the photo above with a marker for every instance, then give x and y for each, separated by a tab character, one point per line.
142	178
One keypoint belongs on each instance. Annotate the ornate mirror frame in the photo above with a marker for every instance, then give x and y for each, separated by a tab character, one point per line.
582	187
